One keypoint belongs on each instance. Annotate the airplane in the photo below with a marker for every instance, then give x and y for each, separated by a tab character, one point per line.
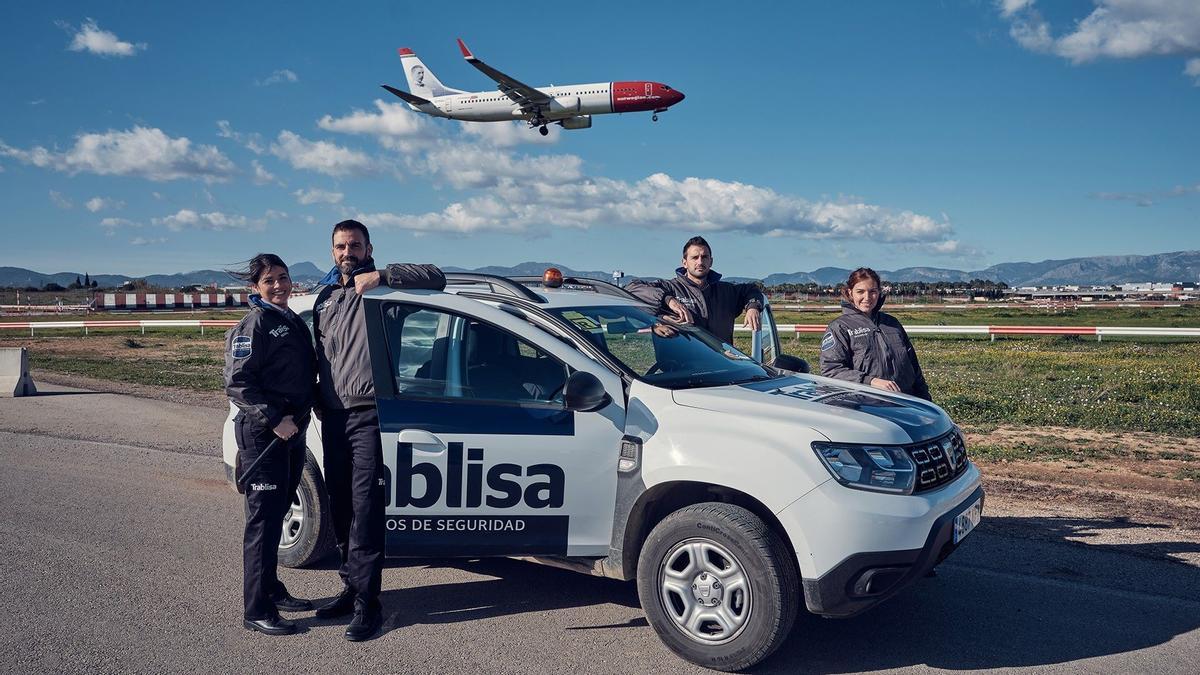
570	106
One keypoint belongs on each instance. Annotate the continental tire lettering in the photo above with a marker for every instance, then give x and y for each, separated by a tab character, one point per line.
503	481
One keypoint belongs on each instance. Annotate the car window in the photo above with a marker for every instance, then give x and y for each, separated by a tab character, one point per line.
660	352
436	354
767	335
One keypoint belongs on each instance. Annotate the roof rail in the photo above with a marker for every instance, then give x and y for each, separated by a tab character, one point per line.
494	282
602	287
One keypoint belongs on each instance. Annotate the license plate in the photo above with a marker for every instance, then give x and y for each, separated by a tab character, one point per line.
967	520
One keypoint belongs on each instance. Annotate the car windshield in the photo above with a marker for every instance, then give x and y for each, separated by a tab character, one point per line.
661	352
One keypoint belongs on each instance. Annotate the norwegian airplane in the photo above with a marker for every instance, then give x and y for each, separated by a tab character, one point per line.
570	106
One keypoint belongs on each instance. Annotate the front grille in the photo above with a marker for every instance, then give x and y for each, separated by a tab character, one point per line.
938	461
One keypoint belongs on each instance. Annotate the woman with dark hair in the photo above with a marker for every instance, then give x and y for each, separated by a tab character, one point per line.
270	370
867	346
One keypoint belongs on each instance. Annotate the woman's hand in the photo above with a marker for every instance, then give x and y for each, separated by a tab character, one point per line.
886	385
286	428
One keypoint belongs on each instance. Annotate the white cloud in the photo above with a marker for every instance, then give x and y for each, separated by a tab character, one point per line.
144	241
112	224
139	152
277	77
508	134
321	156
1148	198
252	142
317	196
262	176
1192	70
394	126
1116	29
1010	7
660	201
187	219
101	203
471	166
90	38
60	200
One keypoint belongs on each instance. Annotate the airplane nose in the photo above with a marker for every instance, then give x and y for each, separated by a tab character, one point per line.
678	96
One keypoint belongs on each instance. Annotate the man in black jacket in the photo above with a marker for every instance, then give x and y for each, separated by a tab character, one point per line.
354	470
697	294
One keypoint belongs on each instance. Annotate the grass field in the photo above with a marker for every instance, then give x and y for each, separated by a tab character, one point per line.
1187	316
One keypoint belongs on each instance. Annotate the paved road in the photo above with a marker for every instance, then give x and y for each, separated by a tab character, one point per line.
119	552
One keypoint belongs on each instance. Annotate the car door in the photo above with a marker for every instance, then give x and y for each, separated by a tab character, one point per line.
482	456
764	343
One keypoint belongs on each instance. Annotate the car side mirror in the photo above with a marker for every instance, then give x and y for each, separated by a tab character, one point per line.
792	363
584	392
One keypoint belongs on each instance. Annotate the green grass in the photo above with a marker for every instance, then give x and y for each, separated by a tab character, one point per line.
1023	450
1056	381
1189	473
1187	316
1131	385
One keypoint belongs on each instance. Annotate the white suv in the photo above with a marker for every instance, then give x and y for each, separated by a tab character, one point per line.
572	426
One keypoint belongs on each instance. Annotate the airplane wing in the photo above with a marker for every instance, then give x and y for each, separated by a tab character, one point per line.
529	98
408	98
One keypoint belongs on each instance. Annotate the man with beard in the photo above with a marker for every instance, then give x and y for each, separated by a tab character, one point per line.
354	471
697	295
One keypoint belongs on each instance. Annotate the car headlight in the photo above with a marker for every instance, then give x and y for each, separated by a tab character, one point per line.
868	467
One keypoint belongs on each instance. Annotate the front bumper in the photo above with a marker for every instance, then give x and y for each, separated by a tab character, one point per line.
863	580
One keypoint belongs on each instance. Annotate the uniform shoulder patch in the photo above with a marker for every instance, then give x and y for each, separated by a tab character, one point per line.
241	346
827	341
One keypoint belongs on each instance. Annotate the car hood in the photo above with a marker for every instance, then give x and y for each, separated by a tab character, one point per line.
840	411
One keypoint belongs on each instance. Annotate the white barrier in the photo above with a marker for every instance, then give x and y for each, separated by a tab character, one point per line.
783	328
14	373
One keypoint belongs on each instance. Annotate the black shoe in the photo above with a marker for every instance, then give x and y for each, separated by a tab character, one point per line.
342	605
365	625
286	603
270	626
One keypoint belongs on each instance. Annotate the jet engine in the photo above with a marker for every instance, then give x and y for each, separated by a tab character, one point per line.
577	122
564	104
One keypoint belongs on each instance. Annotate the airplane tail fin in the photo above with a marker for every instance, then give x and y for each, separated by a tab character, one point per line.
421	80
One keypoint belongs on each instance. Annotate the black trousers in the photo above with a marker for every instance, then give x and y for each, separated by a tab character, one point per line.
268	497
354	476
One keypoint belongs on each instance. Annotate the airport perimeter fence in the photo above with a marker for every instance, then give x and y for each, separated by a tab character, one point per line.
797	329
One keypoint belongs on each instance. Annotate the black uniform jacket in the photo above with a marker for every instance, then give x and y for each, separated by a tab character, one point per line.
270	366
343	355
858	347
714	305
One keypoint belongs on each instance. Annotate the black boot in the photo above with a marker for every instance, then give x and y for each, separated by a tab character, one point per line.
270	626
341	605
368	619
286	603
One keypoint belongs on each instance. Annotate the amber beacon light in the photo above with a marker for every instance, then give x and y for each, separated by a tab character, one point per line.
552	278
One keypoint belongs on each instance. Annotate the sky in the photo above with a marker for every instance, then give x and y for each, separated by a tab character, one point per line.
150	137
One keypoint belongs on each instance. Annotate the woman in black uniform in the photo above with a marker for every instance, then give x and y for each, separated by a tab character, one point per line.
868	346
270	369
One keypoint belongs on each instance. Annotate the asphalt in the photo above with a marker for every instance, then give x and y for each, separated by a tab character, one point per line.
119	551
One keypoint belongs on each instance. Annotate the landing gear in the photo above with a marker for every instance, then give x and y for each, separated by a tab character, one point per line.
654	117
543	130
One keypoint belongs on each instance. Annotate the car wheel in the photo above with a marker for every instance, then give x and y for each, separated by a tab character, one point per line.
718	586
307	527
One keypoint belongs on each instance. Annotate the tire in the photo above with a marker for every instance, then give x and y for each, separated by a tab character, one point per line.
307	528
725	555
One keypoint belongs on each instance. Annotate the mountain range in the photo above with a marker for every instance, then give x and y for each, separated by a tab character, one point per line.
1163	267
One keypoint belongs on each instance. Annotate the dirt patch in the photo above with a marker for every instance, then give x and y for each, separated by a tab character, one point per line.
198	398
1125	478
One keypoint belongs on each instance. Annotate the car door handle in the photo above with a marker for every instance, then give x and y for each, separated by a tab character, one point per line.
419	437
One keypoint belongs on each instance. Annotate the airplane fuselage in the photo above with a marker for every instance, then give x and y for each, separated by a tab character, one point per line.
597	98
